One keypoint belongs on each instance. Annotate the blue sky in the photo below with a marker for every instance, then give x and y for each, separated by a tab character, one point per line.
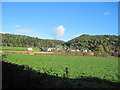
60	20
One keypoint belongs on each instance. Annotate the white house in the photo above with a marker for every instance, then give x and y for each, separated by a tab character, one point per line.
59	49
85	50
73	50
30	49
49	49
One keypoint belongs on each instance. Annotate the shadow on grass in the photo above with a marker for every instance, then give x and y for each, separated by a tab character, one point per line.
14	76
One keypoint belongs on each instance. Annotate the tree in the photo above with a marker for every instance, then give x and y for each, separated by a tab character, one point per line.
116	49
100	48
106	48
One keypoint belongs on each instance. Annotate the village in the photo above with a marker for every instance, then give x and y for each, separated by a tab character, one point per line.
63	50
60	49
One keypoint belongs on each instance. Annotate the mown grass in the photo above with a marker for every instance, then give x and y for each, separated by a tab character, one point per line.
78	67
17	48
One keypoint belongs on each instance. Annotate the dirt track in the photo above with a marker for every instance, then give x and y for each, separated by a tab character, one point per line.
29	52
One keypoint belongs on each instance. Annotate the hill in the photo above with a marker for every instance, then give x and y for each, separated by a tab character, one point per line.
102	43
95	43
26	41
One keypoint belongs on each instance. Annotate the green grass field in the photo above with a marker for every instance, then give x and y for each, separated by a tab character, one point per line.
103	68
17	48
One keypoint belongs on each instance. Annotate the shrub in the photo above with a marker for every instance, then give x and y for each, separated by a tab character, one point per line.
105	54
80	54
97	54
86	54
115	54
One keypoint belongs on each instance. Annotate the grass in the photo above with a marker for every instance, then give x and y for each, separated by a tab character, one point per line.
17	48
103	68
14	76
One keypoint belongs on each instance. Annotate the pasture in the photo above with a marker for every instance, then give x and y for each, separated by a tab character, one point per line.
78	67
5	48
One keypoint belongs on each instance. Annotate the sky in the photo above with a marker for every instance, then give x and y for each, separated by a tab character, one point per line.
60	20
60	0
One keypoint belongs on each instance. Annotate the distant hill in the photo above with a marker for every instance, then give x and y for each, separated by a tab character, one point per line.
26	41
102	43
95	43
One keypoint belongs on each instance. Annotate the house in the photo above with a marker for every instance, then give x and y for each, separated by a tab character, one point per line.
81	50
73	50
59	48
85	50
78	50
49	49
30	49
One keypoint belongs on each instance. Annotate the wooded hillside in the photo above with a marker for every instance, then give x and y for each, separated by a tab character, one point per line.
95	43
26	41
102	43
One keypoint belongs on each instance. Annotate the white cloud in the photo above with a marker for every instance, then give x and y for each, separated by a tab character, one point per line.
17	26
25	31
106	13
77	35
59	31
2	32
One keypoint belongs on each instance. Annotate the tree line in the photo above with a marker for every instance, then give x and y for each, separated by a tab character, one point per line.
26	41
101	43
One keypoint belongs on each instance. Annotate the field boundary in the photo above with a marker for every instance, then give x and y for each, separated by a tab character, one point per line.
28	52
44	53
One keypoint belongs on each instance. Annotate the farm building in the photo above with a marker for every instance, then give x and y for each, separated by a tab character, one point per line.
30	49
59	48
85	50
73	50
48	49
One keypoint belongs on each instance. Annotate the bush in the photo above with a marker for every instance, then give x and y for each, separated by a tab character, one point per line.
87	54
70	53
4	55
115	54
118	54
105	54
80	54
97	54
